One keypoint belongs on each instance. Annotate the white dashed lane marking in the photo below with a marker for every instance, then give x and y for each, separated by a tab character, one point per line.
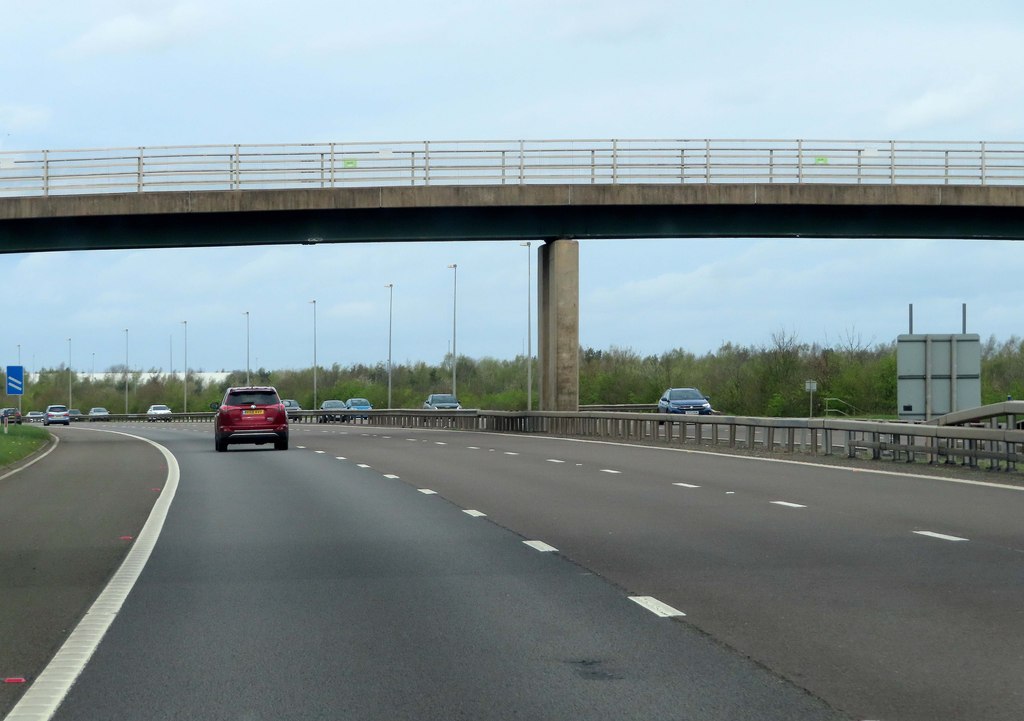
609	470
427	491
554	460
685	485
474	514
788	504
390	475
656	607
941	536
540	546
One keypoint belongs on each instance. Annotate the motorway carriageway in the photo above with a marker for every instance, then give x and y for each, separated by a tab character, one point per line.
382	573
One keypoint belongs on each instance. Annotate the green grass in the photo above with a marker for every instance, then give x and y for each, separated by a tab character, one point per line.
19	442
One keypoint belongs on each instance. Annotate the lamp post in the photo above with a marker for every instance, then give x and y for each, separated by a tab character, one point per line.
248	382
126	371
455	293
314	352
391	306
529	333
185	379
69	374
19	363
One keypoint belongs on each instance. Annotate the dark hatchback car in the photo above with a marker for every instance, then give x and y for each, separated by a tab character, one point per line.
13	415
689	401
331	410
251	414
441	402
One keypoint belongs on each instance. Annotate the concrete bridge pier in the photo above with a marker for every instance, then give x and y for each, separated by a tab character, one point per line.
558	316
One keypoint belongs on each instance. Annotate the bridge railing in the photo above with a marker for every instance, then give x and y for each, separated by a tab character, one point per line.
503	162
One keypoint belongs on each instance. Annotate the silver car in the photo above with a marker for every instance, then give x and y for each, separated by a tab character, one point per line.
56	414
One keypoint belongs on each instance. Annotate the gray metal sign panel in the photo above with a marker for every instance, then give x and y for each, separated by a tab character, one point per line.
937	374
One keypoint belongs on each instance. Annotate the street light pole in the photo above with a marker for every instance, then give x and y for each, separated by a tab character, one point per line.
455	292
248	381
314	352
69	374
529	332
391	306
185	380
126	371
23	372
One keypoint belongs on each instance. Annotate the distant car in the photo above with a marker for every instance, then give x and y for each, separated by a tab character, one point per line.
358	404
250	414
158	412
13	415
75	415
291	407
441	402
99	414
56	414
35	416
688	401
331	411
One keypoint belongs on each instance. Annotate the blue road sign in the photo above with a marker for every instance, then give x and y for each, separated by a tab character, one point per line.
15	380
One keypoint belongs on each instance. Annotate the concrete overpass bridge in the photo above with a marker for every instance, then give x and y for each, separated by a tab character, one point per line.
555	191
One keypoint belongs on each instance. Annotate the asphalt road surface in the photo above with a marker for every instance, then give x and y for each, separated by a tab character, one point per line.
346	578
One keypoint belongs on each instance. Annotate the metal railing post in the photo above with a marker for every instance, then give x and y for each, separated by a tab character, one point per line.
799	161
984	165
615	161
138	172
46	173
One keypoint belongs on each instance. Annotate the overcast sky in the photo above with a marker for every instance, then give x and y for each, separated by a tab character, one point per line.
125	73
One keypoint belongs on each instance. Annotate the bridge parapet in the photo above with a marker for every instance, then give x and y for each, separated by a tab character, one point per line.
508	162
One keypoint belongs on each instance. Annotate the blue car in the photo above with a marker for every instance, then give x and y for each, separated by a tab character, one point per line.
689	401
358	404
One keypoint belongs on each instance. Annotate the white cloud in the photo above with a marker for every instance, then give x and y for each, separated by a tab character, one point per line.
22	117
131	32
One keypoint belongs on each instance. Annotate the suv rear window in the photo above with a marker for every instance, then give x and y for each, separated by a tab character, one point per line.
251	398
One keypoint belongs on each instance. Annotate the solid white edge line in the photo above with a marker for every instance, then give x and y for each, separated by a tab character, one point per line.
47	692
656	607
942	536
540	546
41	456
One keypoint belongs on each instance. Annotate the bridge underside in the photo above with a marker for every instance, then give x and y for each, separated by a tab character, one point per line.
559	214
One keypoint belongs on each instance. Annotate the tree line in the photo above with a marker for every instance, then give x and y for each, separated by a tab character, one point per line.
765	380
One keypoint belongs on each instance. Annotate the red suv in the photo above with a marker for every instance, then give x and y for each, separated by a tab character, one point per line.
253	414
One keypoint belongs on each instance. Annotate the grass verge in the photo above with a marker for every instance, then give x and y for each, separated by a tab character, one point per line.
20	442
